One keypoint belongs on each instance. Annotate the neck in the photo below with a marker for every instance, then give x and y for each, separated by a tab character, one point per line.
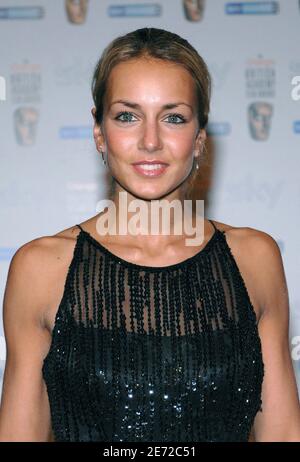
165	219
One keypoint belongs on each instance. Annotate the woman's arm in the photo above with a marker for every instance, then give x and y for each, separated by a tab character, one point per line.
280	416
24	411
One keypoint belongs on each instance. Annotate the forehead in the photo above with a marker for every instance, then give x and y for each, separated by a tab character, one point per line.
150	78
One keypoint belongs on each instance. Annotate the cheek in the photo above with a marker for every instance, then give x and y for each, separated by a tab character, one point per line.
182	152
119	145
181	147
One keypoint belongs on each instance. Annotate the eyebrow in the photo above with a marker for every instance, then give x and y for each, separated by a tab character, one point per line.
137	106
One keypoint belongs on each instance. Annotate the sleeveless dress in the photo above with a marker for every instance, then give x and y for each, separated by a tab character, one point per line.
154	354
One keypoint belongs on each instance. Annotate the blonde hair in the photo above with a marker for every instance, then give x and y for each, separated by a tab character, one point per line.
159	44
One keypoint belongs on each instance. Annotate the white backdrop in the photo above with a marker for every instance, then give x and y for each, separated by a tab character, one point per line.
51	175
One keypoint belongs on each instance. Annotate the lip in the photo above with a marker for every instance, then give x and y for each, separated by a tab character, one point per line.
155	161
150	173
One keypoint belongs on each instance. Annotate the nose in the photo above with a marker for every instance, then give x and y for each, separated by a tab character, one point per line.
150	139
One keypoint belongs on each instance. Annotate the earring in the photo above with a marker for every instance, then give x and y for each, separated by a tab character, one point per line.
197	163
103	160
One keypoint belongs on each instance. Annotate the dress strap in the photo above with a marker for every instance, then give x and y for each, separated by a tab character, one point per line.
213	225
80	227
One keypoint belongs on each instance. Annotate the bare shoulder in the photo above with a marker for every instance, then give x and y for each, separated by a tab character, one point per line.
42	251
250	239
40	265
257	254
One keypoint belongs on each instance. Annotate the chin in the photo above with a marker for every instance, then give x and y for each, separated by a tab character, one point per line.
148	195
146	189
155	192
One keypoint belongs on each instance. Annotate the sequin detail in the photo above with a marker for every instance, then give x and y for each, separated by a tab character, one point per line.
154	354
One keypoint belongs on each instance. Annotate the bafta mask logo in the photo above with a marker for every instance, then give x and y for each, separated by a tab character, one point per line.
76	10
259	120
25	121
193	9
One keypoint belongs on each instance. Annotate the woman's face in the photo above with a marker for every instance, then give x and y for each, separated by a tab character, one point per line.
148	131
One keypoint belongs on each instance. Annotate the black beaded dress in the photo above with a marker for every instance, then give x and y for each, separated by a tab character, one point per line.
154	354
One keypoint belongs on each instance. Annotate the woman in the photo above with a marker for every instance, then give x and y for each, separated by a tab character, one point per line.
141	337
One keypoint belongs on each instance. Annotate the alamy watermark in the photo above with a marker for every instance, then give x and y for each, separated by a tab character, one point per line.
295	93
152	218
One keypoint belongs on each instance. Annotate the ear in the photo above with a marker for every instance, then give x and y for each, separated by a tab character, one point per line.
98	134
199	142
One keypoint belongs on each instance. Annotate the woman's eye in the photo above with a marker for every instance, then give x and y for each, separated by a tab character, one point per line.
125	113
128	115
178	116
